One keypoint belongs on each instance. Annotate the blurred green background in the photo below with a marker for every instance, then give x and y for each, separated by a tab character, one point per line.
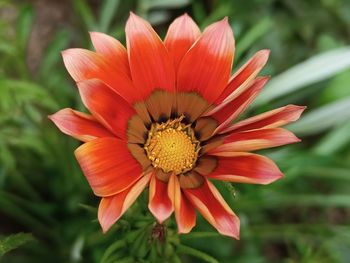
48	212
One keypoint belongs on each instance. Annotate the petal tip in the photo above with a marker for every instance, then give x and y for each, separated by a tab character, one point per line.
265	52
232	229
94	34
275	178
296	111
105	226
184	18
67	52
133	16
104	229
64	53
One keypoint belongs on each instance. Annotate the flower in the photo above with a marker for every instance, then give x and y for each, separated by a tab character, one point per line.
162	116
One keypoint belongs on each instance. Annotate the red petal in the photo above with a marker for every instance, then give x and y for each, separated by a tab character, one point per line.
226	112
151	65
240	80
79	125
256	140
245	168
84	64
185	213
271	119
159	203
182	33
107	106
108	165
112	51
214	209
113	207
206	67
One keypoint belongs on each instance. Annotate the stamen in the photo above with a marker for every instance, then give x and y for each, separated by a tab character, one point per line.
172	146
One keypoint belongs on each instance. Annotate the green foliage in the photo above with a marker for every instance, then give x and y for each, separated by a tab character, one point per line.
313	70
14	241
302	218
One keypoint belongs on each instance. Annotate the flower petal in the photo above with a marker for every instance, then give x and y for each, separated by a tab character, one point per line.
83	64
256	140
160	204
182	33
226	112
150	63
79	125
113	207
247	168
241	79
206	67
214	209
271	119
106	106
185	213
108	165
112	51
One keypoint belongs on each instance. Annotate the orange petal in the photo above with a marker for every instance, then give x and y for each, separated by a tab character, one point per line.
113	207
79	125
83	64
256	140
108	165
214	209
271	119
185	213
150	63
206	67
159	203
226	112
106	106
182	33
112	51
240	80
247	168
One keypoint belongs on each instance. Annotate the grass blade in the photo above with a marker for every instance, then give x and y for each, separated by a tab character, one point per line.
323	118
196	253
313	70
14	241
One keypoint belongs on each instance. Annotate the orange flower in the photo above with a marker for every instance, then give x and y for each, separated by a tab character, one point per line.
161	116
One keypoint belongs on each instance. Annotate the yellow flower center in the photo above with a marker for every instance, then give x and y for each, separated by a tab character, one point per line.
172	146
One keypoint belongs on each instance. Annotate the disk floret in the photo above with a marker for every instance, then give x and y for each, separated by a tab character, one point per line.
172	146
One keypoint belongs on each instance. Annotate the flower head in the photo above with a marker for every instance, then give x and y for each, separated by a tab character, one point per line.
163	115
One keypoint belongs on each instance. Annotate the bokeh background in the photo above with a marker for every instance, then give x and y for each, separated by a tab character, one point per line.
48	212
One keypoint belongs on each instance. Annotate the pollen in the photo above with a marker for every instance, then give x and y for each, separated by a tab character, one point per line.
172	146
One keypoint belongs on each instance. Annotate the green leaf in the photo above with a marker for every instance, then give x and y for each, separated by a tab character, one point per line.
52	56
85	13
196	253
108	10
24	25
275	200
334	141
7	48
222	10
311	71
256	32
150	4
323	118
158	17
14	241
77	249
112	249
338	88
